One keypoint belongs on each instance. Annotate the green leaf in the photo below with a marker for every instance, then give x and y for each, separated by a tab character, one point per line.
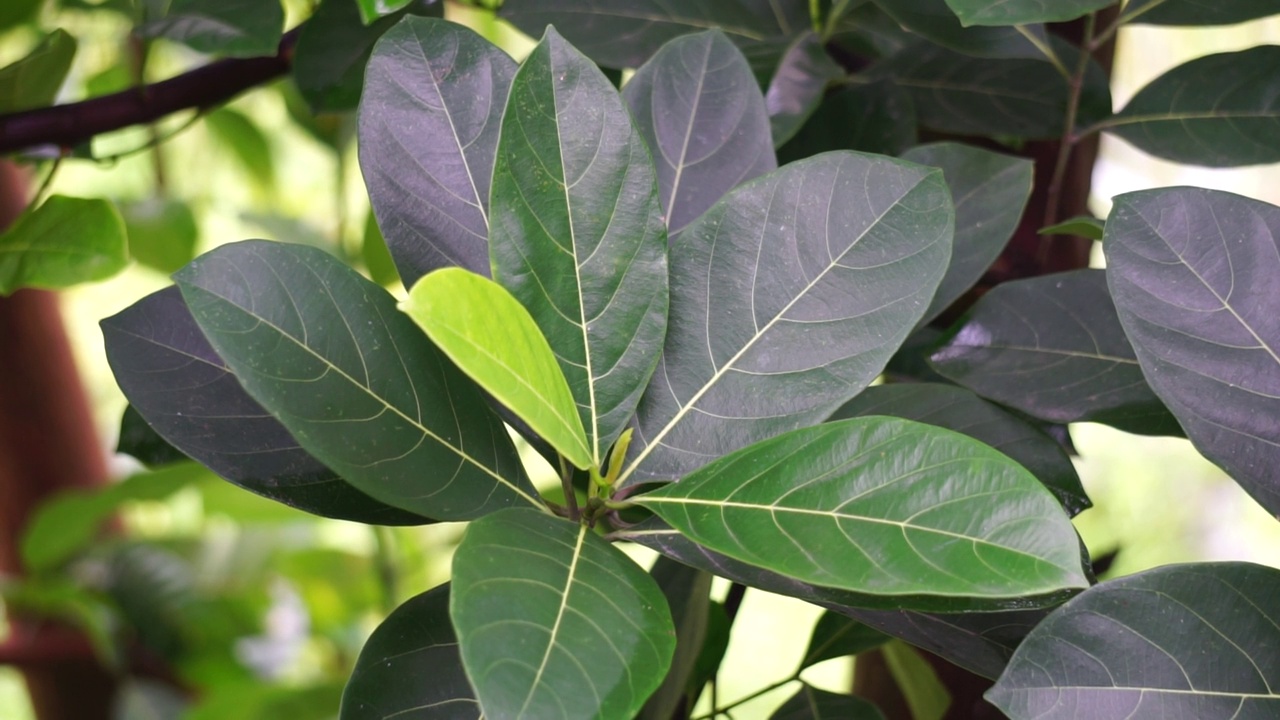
990	191
489	335
788	297
16	12
1053	348
410	667
1180	642
434	93
162	233
576	232
1199	12
701	113
1021	12
371	10
837	636
1189	115
144	444
878	117
555	622
926	695
375	255
64	242
687	591
880	506
935	21
1085	226
798	86
246	142
355	382
34	80
811	703
1196	281
234	28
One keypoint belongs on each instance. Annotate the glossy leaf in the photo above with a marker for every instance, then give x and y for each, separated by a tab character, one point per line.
489	335
178	384
886	507
1085	226
957	409
237	28
687	591
1199	12
878	117
34	80
554	622
162	233
811	703
1021	12
246	142
371	10
1190	115
788	297
144	444
798	85
577	235
837	636
989	191
411	668
1196	278
937	22
698	108
358	385
1181	642
1053	348
434	94
63	242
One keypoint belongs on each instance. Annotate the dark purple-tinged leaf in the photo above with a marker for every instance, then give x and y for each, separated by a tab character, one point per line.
34	80
410	667
175	380
1022	12
811	703
837	636
555	622
64	242
433	98
935	21
1190	115
1199	12
577	234
880	506
1053	348
878	117
990	191
688	592
1196	279
236	28
144	444
1085	226
354	380
798	85
788	297
1181	642
957	409
699	109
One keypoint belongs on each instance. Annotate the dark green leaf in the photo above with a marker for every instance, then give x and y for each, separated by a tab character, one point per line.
878	117
990	191
1053	348
1196	278
1190	115
688	596
798	86
34	80
577	235
175	380
371	10
1085	226
237	28
811	703
246	142
837	636
140	442
410	667
867	31
434	94
788	297
714	647
699	109
334	46
374	254
162	233
1182	642
63	242
958	409
15	12
358	385
1199	12
886	507
1021	12
935	21
555	622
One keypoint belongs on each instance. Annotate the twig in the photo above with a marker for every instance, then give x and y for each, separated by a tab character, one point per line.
1069	137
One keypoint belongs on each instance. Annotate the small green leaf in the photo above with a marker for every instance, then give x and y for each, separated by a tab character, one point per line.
837	636
1021	12
489	335
687	591
235	28
139	441
63	242
798	86
880	506
554	622
1085	226
371	10
162	233
375	255
925	694
247	143
811	703
34	80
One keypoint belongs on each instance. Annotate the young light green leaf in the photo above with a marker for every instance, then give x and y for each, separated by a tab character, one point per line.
926	695
371	10
1085	226
63	242
576	232
162	233
1022	12
489	335
880	506
34	80
356	382
554	622
237	28
798	85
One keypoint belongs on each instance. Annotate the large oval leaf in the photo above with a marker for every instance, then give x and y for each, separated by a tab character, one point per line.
788	297
1190	115
1183	642
1199	12
410	667
355	381
1021	12
1053	348
433	98
937	22
555	622
880	506
178	384
491	337
577	233
1196	278
700	110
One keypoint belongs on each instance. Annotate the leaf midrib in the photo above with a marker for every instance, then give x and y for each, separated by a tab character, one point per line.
560	611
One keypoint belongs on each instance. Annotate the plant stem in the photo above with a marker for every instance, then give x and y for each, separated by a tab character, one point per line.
44	186
718	711
1121	20
566	484
388	569
1069	137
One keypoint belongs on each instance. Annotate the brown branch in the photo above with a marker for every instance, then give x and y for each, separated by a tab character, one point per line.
66	126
